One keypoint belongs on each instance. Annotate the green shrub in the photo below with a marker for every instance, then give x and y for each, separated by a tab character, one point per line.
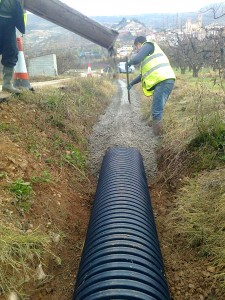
22	190
75	157
44	177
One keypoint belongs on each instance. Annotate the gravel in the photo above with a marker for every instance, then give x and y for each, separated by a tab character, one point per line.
122	125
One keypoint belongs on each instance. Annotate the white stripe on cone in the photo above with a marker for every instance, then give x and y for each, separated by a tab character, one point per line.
21	65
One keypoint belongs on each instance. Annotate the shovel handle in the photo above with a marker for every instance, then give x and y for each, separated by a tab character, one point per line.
128	82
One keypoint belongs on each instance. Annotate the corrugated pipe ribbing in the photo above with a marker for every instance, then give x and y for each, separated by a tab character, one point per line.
121	258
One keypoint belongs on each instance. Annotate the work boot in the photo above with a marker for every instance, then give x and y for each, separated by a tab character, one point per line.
157	127
7	81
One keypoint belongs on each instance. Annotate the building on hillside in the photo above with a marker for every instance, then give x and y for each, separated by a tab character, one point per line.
131	27
151	37
191	26
215	29
43	66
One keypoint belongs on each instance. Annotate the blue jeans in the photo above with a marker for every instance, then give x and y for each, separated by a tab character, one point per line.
160	96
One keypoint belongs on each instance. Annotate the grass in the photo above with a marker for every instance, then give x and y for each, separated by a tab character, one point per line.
208	145
21	253
191	160
12	128
67	114
199	216
79	100
206	76
3	127
53	126
194	130
75	158
44	177
22	191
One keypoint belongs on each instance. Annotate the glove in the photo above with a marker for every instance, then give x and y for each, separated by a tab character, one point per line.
129	86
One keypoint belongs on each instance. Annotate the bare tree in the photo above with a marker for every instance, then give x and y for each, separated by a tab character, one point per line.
216	41
66	61
177	53
218	10
190	52
217	35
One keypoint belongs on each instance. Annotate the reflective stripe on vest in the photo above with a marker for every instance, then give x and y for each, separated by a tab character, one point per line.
149	58
155	68
24	17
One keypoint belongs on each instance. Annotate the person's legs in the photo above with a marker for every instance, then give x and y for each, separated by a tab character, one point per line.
160	97
9	45
1	35
9	53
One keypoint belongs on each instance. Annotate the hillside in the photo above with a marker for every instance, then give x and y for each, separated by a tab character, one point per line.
164	21
43	36
46	189
155	21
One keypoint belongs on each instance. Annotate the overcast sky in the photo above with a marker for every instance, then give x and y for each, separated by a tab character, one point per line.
136	7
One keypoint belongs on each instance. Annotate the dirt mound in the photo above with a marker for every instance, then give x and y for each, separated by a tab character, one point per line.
59	206
13	159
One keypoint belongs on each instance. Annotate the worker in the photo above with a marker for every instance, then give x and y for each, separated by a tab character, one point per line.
12	16
156	75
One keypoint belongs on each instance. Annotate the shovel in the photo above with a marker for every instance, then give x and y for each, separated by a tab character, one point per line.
128	82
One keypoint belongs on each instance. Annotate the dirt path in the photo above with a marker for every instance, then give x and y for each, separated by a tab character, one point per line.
121	125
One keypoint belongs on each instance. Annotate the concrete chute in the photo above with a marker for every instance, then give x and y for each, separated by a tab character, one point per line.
67	17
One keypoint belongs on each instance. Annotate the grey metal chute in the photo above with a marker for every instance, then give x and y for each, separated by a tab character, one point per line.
61	14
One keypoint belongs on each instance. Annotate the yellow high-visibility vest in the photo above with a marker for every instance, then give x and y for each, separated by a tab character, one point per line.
154	69
24	12
24	16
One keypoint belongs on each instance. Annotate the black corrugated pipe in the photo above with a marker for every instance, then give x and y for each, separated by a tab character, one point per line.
121	258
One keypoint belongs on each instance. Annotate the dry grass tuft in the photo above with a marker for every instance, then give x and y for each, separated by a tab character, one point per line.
193	149
21	253
194	131
199	216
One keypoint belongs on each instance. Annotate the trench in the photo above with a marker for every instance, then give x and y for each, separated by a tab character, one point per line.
122	125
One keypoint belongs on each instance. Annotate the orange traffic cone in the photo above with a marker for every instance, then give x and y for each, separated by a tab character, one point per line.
21	79
89	73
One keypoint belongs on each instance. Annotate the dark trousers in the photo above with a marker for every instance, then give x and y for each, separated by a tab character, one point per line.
8	44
